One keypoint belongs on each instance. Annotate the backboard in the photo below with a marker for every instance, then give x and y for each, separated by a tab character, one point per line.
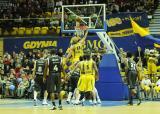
91	15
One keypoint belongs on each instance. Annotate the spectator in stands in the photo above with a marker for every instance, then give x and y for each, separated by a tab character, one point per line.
2	86
25	63
23	85
10	87
1	64
146	86
35	9
115	8
157	87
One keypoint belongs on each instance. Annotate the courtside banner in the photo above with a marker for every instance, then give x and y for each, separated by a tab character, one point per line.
46	42
119	25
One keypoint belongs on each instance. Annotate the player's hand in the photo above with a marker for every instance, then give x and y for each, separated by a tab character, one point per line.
87	28
97	78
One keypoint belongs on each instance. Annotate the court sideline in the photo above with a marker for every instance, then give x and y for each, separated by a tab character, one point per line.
110	107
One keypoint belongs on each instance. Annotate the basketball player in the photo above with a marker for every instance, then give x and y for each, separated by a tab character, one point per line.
39	72
87	78
131	72
73	81
140	70
54	78
76	50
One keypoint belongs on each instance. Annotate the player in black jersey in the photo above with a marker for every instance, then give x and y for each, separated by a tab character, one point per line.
73	81
54	77
132	78
39	73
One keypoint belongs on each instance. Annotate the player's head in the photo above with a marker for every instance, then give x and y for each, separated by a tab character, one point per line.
129	54
60	52
40	55
74	40
53	52
96	49
88	54
78	21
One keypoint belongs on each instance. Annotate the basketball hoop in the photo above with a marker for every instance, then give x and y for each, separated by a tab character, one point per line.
82	27
80	30
82	21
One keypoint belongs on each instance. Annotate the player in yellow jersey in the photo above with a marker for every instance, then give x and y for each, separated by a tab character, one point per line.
87	78
140	70
76	50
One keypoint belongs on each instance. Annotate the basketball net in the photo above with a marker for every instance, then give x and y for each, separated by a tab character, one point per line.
80	29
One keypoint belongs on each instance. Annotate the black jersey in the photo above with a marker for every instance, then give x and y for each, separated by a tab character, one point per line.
40	66
55	64
131	65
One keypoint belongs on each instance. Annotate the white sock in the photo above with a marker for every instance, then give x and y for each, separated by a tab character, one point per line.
97	95
35	95
77	99
69	96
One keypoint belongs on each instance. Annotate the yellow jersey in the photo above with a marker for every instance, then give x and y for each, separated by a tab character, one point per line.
87	67
78	50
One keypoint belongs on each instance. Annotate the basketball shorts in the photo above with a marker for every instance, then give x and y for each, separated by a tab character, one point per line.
73	81
132	79
54	83
86	83
39	84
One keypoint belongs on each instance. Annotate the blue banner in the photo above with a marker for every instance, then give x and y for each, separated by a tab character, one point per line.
46	42
119	25
128	43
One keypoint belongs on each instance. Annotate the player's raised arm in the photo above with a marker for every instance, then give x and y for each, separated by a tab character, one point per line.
96	71
84	38
76	67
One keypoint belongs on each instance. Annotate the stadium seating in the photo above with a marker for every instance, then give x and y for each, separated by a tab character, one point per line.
55	12
49	14
6	33
14	31
44	30
58	29
36	30
29	31
21	31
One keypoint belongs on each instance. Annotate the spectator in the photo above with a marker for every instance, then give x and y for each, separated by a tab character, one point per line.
23	85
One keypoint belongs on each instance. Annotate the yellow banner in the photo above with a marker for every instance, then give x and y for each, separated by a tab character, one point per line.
123	33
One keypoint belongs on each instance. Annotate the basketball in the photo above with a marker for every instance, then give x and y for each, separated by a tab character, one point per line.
78	19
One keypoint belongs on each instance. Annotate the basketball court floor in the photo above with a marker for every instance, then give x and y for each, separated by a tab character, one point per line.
14	106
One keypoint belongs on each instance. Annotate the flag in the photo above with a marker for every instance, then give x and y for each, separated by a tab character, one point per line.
144	33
